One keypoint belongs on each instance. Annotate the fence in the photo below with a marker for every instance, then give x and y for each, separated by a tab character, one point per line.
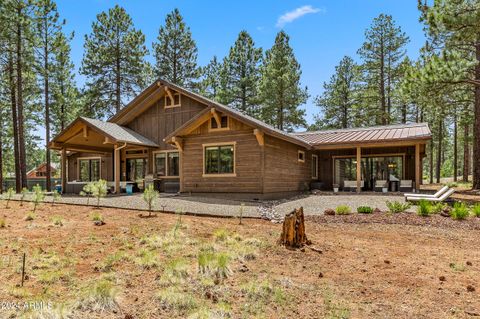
10	182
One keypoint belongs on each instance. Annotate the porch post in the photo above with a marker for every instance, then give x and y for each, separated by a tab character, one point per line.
116	169
64	170
359	167
418	171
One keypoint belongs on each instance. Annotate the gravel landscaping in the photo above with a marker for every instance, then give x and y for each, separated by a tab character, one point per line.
312	204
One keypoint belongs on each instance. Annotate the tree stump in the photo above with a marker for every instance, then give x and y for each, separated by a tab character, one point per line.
293	234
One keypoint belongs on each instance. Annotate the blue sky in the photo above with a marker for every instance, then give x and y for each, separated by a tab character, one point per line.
321	32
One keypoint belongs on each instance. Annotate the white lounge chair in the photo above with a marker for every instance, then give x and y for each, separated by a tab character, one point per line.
433	199
436	195
380	184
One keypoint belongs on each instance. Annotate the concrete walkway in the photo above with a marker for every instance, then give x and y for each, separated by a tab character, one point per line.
312	204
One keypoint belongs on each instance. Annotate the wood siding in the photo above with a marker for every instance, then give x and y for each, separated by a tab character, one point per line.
157	121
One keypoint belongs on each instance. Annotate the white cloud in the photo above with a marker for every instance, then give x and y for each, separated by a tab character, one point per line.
295	14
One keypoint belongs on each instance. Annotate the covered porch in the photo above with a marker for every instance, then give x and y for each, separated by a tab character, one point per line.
92	150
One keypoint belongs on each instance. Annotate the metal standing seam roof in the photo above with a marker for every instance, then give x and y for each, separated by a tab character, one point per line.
367	135
119	133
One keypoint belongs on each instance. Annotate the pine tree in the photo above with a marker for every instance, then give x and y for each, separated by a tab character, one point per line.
340	97
176	52
210	83
280	89
113	61
382	52
454	29
243	74
47	29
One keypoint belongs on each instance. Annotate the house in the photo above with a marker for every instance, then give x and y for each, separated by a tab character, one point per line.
182	141
41	172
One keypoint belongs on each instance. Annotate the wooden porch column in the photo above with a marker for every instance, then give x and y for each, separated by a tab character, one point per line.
359	168
64	170
418	171
116	169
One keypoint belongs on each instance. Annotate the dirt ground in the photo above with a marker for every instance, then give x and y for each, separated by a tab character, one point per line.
135	267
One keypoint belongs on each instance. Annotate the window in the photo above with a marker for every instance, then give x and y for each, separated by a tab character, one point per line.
223	122
219	160
167	164
314	167
89	169
301	156
136	169
176	100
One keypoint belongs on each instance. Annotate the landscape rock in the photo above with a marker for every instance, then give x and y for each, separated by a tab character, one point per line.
442	278
470	288
329	212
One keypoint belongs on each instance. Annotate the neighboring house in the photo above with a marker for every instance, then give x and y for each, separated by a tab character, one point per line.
41	172
185	142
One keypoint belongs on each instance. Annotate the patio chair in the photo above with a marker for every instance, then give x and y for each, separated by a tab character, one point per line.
380	184
351	186
442	198
436	195
406	185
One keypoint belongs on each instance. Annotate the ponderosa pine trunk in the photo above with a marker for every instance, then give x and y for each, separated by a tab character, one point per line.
466	152
13	101
383	103
439	149
1	151
431	161
47	112
21	130
476	125
117	75
455	147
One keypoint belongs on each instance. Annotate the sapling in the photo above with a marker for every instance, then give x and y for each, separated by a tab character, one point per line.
87	192
24	194
240	212
150	195
55	196
99	190
38	196
9	196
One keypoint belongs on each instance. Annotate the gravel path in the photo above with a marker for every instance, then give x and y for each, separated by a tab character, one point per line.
312	204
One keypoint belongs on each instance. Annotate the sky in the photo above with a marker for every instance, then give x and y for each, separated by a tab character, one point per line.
321	31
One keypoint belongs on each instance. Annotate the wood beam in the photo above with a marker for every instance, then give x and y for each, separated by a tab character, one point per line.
260	137
141	106
116	169
418	171
64	170
178	141
84	148
369	145
108	140
216	116
169	93
85	132
359	169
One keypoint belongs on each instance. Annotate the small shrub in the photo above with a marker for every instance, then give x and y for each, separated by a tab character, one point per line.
147	259
457	267
112	260
452	184
437	208
476	210
220	234
8	196
397	207
460	211
205	258
87	192
222	268
100	297
3	224
99	190
57	220
30	216
96	217
150	195
364	210
424	208
175	299
38	196
343	210
175	271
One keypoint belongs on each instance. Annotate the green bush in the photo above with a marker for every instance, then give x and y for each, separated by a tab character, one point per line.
96	217
397	207
364	210
8	196
424	208
437	208
150	195
343	210
460	211
476	210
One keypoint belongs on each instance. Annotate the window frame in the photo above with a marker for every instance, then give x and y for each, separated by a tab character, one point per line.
234	174
90	173
301	160
173	102
167	173
314	156
217	129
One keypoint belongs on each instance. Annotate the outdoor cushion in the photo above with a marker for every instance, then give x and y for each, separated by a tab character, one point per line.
436	195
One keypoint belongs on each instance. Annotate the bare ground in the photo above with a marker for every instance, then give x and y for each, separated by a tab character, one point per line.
366	269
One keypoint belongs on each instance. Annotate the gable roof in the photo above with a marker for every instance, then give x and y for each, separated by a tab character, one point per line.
119	133
375	134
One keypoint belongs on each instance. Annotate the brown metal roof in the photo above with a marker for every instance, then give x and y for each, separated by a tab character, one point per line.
390	133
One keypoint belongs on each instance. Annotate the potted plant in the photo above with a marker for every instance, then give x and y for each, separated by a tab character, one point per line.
335	188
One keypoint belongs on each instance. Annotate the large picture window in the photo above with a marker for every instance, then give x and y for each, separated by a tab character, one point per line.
219	159
167	164
89	169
